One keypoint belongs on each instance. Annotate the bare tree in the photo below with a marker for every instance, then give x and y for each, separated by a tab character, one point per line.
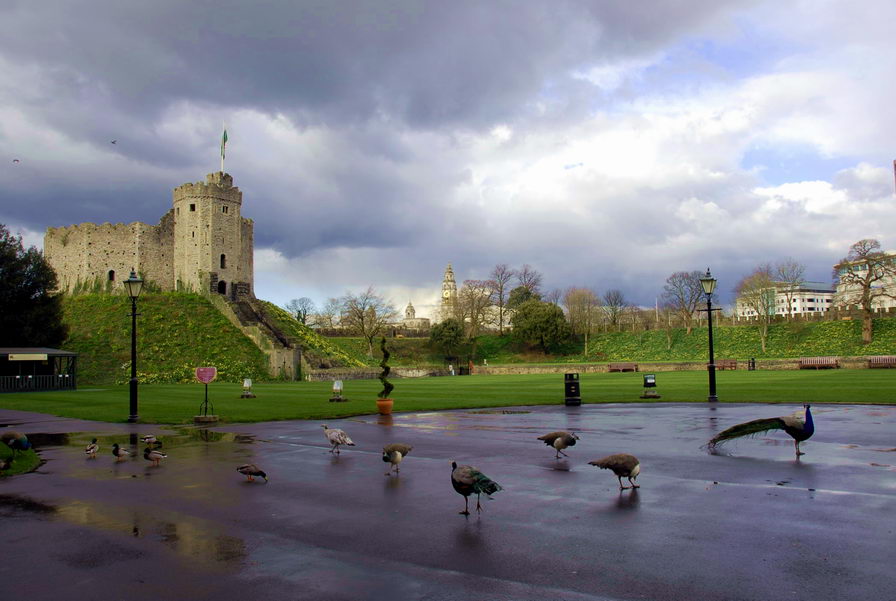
666	313
300	308
328	316
614	306
366	314
528	277
866	276
790	274
500	281
582	308
683	293
553	296
757	293
474	300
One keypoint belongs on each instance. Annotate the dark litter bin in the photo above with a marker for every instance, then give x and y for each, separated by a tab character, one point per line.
649	383
751	366
571	389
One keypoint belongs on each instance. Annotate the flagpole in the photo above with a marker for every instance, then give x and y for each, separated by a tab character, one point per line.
223	143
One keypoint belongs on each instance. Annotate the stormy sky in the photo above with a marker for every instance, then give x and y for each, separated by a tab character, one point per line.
606	144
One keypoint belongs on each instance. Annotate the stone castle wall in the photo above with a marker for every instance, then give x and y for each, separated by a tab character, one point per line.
202	244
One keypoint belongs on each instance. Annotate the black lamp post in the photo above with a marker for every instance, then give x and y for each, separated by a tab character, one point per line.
709	285
133	285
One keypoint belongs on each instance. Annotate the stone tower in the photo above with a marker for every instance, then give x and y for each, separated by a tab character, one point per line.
213	244
449	295
410	312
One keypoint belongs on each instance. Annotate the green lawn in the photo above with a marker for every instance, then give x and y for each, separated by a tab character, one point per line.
177	403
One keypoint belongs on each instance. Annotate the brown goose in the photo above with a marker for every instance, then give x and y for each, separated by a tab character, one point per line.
336	437
394	453
623	465
559	440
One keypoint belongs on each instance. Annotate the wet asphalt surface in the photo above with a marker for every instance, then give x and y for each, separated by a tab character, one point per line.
751	524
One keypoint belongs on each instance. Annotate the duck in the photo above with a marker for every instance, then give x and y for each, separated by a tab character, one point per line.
154	456
623	465
91	449
799	428
336	437
394	453
467	480
251	471
120	452
560	440
151	440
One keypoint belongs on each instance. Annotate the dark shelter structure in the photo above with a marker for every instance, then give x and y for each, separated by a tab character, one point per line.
34	369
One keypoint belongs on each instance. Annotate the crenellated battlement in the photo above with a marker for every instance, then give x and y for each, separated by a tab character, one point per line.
218	185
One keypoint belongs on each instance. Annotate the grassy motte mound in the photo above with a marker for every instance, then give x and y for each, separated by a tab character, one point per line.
176	332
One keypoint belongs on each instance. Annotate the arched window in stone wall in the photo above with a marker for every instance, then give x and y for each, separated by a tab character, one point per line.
223	262
222	287
111	275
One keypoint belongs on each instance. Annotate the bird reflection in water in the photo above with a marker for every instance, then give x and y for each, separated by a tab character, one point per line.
628	499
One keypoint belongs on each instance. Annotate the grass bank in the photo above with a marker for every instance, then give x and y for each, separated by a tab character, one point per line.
173	403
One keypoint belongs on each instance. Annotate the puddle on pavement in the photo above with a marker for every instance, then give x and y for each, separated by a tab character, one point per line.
191	538
10	503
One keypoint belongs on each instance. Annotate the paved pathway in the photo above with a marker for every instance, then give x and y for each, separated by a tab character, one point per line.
754	524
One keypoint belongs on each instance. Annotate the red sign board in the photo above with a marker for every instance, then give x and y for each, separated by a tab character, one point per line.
206	374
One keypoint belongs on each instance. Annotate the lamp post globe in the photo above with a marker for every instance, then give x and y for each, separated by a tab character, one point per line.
133	285
709	285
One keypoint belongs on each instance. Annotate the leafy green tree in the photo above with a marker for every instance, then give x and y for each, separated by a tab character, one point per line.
544	324
447	336
30	312
519	295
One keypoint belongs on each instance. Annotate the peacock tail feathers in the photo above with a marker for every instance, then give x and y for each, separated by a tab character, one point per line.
751	428
483	484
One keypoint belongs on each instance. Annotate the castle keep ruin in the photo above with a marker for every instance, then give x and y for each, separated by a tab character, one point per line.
201	244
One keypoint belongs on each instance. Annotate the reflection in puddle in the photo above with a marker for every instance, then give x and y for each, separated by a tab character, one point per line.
191	538
15	502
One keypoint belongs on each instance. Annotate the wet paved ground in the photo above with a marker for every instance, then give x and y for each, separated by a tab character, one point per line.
754	524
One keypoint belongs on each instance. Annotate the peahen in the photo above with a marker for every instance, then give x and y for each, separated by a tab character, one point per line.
16	441
394	453
559	440
623	465
467	480
799	428
91	449
336	437
252	471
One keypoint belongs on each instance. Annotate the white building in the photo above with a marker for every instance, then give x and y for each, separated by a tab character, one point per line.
883	286
808	297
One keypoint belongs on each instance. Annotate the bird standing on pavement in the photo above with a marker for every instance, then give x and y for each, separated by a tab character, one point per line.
394	453
559	440
337	437
91	449
467	480
120	452
251	471
623	465
151	440
154	456
799	428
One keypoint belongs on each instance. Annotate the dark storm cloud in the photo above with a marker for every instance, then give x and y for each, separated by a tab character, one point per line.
426	63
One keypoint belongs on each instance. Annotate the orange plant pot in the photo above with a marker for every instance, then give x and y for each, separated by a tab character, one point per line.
384	406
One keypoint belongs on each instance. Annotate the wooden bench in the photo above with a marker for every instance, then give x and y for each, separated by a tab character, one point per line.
622	367
726	364
882	361
819	363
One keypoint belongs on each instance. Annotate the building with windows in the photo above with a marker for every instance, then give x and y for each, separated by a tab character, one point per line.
881	281
808	297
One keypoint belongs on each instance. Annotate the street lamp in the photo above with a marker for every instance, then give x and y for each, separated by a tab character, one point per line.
709	285
133	285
